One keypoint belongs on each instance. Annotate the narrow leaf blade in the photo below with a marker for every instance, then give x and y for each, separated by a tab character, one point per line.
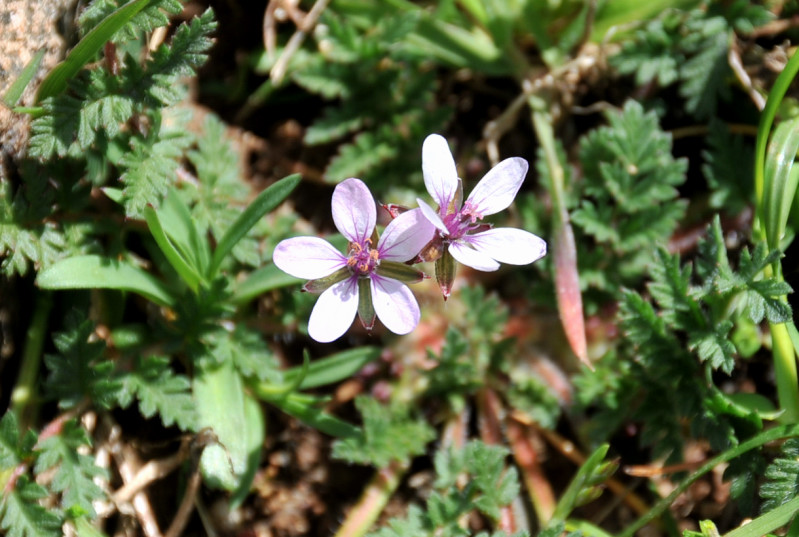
264	203
14	92
96	272
87	49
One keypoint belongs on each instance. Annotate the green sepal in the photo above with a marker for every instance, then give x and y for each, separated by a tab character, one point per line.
366	310
445	272
400	271
321	285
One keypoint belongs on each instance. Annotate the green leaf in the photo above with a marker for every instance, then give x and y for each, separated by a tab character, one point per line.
185	270
160	391
145	21
266	278
263	204
80	371
591	475
704	75
14	92
150	166
307	409
780	183
713	345
253	439
224	407
9	440
87	49
389	434
181	57
498	485
21	515
74	472
333	368
96	272
782	477
186	235
728	169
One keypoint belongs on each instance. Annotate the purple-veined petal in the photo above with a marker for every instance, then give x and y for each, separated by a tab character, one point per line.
509	245
496	190
308	257
354	210
466	255
334	311
432	216
405	236
395	305
438	168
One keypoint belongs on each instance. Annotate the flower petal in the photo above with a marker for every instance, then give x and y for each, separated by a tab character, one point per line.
466	255
308	257
438	168
354	210
496	190
395	305
334	311
509	245
432	216
405	236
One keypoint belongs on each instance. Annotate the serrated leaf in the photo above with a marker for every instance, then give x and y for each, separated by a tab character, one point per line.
21	515
146	20
782	477
714	346
87	48
9	440
149	169
359	157
79	371
498	484
181	57
74	472
160	391
389	434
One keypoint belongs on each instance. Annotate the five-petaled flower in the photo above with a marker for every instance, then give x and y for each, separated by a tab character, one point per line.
370	279
461	234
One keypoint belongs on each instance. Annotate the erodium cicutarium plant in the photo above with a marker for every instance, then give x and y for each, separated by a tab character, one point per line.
370	278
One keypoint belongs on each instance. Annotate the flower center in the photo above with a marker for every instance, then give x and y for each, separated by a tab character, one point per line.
460	223
363	259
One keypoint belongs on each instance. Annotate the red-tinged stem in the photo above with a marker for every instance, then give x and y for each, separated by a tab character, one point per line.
490	419
539	488
372	501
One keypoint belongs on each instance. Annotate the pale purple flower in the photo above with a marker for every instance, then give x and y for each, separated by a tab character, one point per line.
366	269
460	227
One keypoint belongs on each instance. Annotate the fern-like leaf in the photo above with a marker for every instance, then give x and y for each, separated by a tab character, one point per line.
388	434
782	477
74	472
21	514
150	169
160	391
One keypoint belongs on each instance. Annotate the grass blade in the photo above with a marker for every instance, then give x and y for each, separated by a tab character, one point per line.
264	203
15	91
88	47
